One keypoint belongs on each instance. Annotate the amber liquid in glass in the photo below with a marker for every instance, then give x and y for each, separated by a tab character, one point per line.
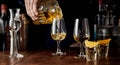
58	36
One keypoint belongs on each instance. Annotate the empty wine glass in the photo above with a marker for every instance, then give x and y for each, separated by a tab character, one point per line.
58	33
81	33
14	25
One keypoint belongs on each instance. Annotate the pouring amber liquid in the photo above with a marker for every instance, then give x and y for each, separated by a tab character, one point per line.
48	10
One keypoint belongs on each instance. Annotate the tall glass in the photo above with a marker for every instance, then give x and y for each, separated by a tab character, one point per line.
58	33
14	25
81	32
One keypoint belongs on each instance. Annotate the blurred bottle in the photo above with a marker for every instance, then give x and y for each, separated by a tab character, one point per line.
23	32
100	13
106	13
48	10
4	23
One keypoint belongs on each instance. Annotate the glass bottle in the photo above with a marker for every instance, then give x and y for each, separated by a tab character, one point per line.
24	32
4	19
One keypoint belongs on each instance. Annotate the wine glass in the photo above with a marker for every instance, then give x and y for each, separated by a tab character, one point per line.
14	25
58	33
81	32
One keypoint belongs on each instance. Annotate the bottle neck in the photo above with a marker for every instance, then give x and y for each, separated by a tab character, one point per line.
3	10
100	2
3	14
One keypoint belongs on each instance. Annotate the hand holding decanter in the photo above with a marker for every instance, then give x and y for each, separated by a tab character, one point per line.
47	11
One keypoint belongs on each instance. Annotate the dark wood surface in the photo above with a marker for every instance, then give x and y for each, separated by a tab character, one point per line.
44	57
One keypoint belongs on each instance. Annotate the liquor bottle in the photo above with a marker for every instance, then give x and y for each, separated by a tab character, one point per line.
100	13
99	20
4	23
24	32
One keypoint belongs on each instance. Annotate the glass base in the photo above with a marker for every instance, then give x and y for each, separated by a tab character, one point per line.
80	56
59	53
17	55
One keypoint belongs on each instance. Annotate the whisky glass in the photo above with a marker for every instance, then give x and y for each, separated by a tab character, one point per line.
58	33
81	33
91	50
103	47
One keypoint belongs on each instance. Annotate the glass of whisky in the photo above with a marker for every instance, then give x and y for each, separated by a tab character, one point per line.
91	50
104	41
81	33
103	47
58	33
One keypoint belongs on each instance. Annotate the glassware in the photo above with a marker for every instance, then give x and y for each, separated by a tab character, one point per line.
58	33
24	32
4	19
103	48
2	35
104	41
91	50
48	10
14	25
81	33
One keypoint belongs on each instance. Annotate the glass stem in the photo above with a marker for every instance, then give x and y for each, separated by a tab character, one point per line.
81	49
58	47
15	44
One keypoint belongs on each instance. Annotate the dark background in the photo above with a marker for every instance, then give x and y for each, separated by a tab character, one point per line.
39	35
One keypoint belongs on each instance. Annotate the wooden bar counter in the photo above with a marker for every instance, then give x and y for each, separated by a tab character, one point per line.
44	57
